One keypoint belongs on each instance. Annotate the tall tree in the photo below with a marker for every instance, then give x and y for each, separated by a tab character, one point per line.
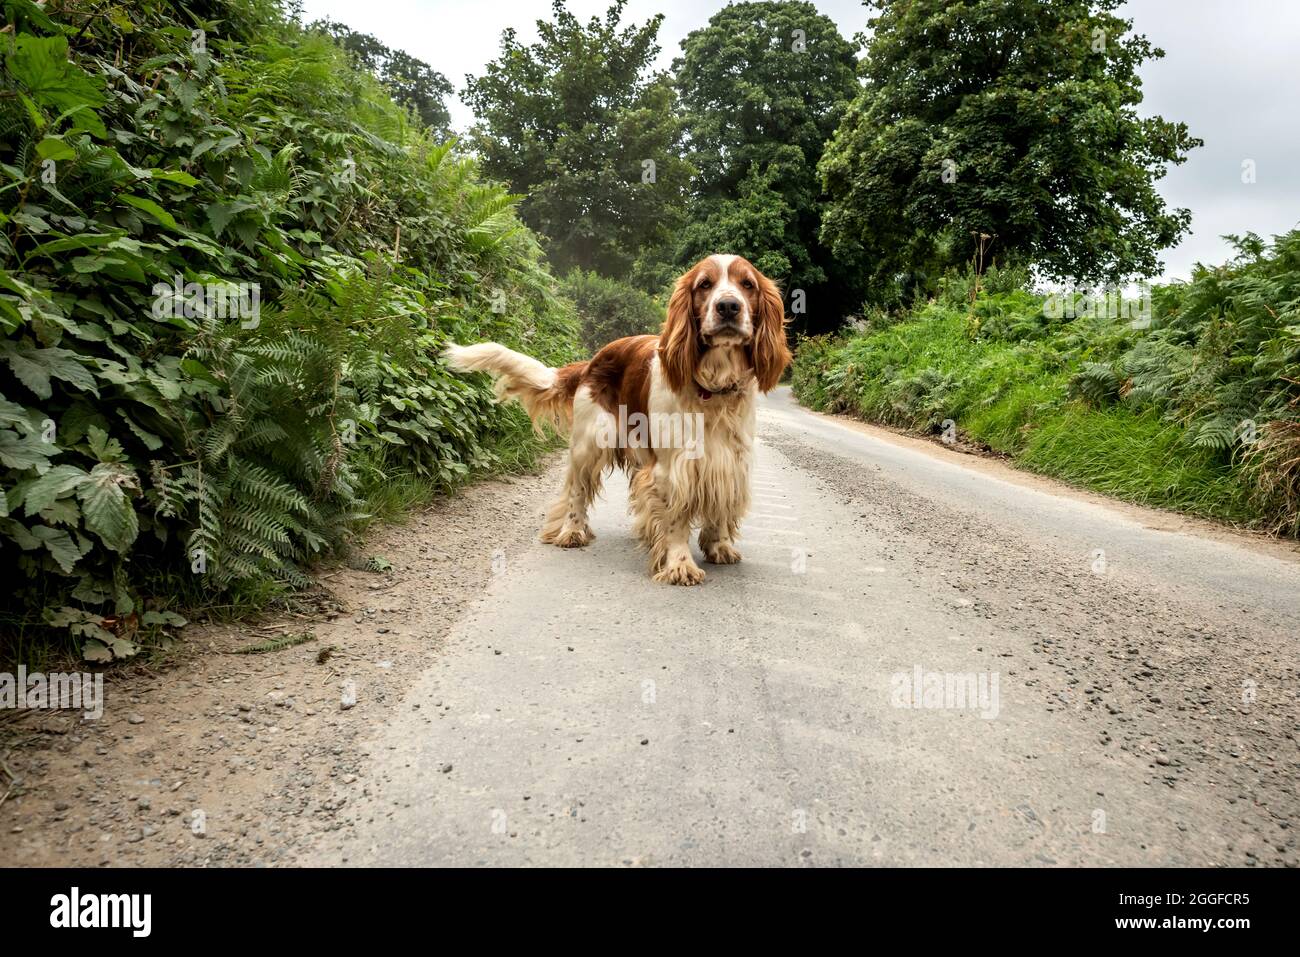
411	82
579	124
1014	119
765	85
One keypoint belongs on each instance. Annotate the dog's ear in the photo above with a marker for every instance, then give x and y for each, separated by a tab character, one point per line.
678	342
769	353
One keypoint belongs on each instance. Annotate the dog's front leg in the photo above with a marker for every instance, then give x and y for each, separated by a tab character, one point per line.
728	503
678	566
666	530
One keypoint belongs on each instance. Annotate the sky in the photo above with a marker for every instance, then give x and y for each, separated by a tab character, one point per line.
1231	72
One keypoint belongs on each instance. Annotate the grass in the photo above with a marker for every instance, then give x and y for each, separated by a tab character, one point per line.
1137	458
390	493
1005	381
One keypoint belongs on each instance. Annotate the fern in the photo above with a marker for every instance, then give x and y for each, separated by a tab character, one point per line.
1095	382
276	644
243	451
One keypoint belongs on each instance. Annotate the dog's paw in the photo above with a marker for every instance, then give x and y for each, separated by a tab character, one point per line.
574	537
720	553
681	573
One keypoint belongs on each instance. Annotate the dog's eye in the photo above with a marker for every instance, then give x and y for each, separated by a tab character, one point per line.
706	284
747	284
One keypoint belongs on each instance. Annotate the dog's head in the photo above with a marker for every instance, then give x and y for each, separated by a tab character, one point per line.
723	303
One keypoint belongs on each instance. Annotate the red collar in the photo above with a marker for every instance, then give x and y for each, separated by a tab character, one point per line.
705	394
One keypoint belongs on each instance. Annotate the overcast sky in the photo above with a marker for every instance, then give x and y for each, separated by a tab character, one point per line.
1231	72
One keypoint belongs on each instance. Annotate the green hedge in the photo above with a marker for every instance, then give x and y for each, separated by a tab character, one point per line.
1188	403
227	264
609	309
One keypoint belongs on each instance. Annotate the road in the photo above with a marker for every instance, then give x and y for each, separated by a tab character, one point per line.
1133	683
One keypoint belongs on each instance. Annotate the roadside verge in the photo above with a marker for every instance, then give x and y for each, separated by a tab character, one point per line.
232	759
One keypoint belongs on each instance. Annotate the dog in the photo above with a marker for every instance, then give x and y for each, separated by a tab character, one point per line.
690	396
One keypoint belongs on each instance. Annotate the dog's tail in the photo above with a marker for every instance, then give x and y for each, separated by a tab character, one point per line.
545	393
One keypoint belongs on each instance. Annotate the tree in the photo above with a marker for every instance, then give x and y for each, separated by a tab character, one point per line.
1009	118
577	124
609	309
411	82
765	86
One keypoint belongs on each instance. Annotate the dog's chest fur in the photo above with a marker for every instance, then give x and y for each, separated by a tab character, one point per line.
712	482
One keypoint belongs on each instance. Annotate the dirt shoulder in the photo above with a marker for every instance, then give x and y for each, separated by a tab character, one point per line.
999	466
230	759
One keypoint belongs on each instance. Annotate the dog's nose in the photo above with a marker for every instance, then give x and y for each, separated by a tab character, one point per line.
728	310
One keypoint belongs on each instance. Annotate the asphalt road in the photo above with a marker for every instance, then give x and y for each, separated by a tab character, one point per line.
1133	686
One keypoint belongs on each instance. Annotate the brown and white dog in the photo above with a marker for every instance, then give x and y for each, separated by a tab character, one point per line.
689	394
